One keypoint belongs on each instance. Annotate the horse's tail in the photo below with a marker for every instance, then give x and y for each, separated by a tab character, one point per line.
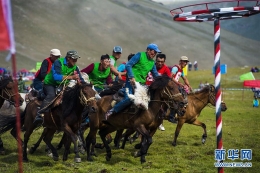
9	122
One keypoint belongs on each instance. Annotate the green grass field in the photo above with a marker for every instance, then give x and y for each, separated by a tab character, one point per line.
240	131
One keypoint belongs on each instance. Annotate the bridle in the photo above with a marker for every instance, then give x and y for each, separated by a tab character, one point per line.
211	96
83	100
9	94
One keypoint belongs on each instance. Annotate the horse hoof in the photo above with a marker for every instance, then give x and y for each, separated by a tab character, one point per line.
93	154
31	150
77	160
137	146
90	159
143	161
55	158
174	144
2	152
203	141
137	154
49	154
25	160
108	158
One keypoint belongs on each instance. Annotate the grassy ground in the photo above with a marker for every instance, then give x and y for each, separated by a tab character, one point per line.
240	131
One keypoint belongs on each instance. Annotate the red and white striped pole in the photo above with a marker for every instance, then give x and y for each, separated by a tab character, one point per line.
217	86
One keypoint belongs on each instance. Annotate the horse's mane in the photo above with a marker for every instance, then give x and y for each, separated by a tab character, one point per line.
159	83
204	89
117	85
69	100
5	82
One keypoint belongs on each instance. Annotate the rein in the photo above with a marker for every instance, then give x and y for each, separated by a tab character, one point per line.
83	100
210	97
8	94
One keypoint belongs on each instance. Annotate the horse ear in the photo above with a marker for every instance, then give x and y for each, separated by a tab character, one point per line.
212	88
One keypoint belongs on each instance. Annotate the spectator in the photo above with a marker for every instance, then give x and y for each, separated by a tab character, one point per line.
195	65
189	66
256	69
255	103
21	84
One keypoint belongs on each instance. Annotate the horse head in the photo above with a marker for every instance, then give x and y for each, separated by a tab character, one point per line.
88	97
170	93
8	92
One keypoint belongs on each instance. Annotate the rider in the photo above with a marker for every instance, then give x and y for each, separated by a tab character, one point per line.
45	69
61	70
121	68
177	72
99	73
137	69
162	70
116	54
21	84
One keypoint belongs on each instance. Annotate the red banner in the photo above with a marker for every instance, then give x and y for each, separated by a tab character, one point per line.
4	34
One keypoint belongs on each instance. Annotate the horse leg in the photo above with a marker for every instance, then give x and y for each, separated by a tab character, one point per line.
74	139
91	140
177	131
128	133
2	150
36	145
118	138
47	139
62	141
27	134
17	138
146	142
82	146
204	136
67	144
103	133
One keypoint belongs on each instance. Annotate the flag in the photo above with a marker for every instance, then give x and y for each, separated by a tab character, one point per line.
6	28
247	76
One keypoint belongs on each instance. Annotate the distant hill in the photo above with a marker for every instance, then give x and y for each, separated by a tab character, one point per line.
94	27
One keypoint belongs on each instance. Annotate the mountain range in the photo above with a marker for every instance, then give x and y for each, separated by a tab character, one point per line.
94	27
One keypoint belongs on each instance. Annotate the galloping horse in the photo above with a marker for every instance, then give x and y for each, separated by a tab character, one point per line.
197	101
164	94
7	93
66	117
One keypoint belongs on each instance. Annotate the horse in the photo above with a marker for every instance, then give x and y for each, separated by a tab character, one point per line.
196	102
65	117
164	94
7	93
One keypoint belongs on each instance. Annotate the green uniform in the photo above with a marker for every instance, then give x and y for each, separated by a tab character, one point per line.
97	77
21	85
142	68
65	70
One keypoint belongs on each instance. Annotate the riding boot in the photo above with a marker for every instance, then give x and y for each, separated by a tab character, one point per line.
38	121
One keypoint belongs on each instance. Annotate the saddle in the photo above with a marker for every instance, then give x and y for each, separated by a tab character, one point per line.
117	97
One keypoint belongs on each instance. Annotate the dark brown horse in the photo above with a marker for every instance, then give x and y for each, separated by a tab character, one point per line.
196	102
65	117
164	94
7	92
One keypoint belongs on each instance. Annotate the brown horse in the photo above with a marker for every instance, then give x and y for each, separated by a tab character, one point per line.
7	92
196	102
164	94
65	117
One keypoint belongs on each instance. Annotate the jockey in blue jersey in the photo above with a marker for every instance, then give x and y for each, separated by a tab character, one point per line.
137	69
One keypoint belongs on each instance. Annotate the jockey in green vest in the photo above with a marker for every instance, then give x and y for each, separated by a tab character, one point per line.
62	70
137	69
99	73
